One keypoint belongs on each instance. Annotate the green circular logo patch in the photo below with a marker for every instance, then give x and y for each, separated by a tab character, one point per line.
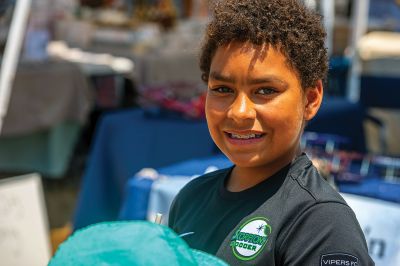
250	238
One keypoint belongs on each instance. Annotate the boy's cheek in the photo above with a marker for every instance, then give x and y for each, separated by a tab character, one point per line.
216	107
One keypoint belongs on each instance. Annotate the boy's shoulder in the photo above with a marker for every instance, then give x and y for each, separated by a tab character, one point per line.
310	184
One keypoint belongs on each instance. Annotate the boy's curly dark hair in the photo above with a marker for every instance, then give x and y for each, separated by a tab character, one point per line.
287	25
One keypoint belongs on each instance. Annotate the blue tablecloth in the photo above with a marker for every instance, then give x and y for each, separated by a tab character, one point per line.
126	142
138	189
374	187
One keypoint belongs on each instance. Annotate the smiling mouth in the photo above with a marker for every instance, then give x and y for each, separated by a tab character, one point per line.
244	136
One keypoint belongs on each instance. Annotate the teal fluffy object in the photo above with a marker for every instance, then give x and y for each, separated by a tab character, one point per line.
129	243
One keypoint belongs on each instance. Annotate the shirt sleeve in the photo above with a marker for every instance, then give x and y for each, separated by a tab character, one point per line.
325	234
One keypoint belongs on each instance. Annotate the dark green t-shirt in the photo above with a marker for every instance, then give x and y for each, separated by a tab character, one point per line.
208	200
292	218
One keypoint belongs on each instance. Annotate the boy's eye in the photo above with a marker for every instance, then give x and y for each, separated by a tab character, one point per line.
222	90
266	91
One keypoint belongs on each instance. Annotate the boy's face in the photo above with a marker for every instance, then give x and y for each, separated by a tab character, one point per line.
255	107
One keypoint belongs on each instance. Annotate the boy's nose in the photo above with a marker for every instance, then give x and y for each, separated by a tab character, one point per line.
242	108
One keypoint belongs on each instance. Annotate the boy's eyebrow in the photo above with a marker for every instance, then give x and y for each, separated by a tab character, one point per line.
218	76
254	81
268	79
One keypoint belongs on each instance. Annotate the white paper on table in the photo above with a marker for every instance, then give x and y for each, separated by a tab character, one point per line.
380	222
163	192
24	235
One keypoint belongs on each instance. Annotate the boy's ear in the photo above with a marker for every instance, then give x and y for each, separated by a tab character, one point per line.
313	99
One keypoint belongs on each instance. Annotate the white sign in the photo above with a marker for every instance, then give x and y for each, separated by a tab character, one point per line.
380	221
24	236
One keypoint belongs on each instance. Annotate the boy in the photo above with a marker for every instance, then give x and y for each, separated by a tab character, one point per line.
264	62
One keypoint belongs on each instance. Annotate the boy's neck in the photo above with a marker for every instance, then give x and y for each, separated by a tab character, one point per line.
243	178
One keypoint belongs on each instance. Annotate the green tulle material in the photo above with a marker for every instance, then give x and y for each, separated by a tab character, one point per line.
129	243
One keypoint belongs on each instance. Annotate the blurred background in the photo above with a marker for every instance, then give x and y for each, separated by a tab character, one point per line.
107	106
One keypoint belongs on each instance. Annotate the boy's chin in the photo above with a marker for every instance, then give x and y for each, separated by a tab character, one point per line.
245	160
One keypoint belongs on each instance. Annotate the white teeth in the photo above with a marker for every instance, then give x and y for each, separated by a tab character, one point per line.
249	136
